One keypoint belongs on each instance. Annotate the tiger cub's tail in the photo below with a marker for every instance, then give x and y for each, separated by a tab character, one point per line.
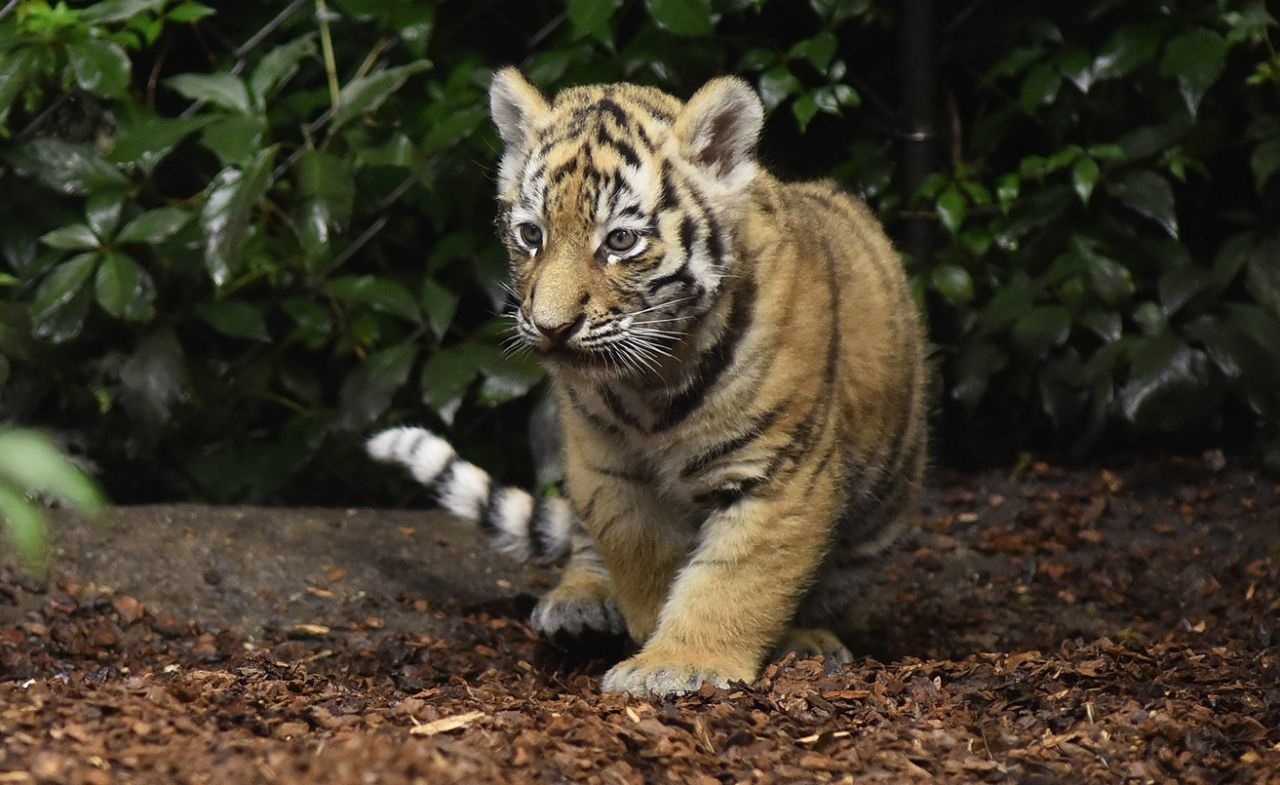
515	522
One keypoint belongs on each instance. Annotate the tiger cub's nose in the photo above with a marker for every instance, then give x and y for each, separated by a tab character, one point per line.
560	333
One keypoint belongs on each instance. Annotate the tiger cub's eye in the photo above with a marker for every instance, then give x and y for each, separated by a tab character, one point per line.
621	240
530	234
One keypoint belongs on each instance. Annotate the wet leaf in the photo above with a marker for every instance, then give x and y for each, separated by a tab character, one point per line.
1041	328
1084	175
954	283
100	67
1179	286
228	213
103	213
154	226
1166	375
365	94
590	19
439	304
16	69
446	377
78	237
1196	59
72	169
124	289
1265	162
61	286
236	318
381	294
952	208
278	66
147	141
118	10
1128	47
1149	194
1039	87
683	17
776	85
367	391
220	89
818	50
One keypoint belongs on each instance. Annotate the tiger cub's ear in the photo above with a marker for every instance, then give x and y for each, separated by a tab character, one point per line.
718	128
515	105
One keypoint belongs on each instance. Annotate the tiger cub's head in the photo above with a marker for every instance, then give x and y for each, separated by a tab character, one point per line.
619	206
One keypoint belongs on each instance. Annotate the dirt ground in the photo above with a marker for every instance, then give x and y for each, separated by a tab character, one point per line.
1088	626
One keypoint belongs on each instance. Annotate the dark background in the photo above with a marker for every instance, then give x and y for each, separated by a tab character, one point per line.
213	283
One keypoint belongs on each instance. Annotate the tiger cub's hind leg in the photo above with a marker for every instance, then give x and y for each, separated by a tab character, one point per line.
583	602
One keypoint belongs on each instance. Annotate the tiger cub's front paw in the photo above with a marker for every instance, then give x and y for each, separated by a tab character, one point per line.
657	674
572	610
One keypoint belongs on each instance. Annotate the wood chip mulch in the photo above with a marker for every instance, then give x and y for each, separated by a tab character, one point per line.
1086	626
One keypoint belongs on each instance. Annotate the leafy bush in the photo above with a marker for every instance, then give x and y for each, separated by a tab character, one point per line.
234	239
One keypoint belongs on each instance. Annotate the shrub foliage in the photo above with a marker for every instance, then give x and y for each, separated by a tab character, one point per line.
234	238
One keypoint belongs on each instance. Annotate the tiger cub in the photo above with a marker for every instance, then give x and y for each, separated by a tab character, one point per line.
739	367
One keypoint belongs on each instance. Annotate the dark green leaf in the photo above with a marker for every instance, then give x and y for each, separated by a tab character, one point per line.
1196	58
278	66
314	320
61	302
1111	280
952	209
757	59
236	318
439	304
1239	357
818	50
446	377
507	378
103	213
954	283
1149	194
1128	47
776	85
235	139
61	285
220	89
189	12
1179	286
1084	175
100	67
1262	276
381	294
118	10
153	226
1039	87
1105	324
1150	318
124	289
1165	378
1042	327
805	109
77	237
367	391
17	67
1265	162
73	169
365	94
148	140
590	19
978	362
228	213
683	17
837	11
1077	65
